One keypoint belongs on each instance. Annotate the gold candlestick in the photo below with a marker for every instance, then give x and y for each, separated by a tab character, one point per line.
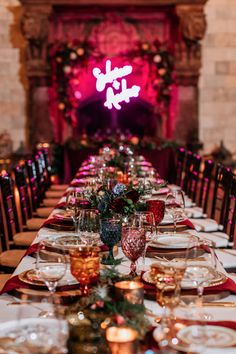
122	340
132	291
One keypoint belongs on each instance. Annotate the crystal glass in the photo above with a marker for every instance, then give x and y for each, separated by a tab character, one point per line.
202	273
157	207
51	265
73	207
110	234
85	265
145	220
175	205
88	226
133	242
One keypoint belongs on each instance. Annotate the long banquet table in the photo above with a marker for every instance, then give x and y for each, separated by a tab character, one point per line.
7	300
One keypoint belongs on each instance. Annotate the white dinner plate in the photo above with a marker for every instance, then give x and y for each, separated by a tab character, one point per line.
176	241
217	336
38	333
167	220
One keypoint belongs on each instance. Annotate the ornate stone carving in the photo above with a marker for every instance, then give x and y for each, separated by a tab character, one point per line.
188	48
35	27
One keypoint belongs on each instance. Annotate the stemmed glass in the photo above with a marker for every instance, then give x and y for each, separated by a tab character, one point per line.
72	207
133	243
157	207
85	265
146	221
110	234
202	274
51	267
88	226
175	205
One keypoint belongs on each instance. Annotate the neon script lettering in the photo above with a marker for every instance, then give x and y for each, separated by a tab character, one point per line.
112	76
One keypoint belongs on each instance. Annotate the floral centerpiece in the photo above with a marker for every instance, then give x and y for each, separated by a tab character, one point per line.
120	199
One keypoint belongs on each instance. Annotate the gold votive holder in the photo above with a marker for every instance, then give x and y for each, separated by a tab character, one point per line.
122	340
130	290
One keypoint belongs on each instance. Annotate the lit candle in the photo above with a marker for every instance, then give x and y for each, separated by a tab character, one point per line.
122	340
132	291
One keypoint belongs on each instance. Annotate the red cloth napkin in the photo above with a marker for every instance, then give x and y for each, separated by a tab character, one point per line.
188	223
58	222
15	283
60	205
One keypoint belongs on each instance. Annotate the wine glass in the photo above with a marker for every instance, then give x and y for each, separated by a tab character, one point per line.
85	265
89	226
145	220
51	267
175	205
133	242
203	272
110	234
73	207
157	207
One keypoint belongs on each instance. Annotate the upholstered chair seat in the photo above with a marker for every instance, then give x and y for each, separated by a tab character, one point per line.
54	194
3	279
52	202
24	239
35	223
11	258
44	212
58	187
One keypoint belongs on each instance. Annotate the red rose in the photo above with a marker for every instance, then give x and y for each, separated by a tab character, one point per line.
118	205
133	195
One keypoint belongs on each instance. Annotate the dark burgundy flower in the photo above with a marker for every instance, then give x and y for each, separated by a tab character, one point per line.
133	195
118	205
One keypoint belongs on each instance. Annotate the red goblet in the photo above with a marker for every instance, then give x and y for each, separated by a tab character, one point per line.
133	242
157	207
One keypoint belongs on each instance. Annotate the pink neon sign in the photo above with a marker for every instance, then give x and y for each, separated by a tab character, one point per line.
115	77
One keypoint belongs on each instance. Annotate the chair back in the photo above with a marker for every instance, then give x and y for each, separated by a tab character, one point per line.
23	190
9	205
230	219
33	184
193	176
181	154
222	187
205	184
4	240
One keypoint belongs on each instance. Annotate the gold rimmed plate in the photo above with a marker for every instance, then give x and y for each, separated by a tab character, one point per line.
218	279
30	277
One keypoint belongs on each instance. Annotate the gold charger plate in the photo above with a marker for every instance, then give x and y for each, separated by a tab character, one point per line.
31	278
220	279
60	226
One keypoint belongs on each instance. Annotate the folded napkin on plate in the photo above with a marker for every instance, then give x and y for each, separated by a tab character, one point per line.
58	221
194	212
60	205
207	225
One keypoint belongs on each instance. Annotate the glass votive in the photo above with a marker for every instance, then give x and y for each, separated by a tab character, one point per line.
122	340
132	291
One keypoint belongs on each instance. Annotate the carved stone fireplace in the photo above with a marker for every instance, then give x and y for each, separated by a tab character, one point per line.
180	23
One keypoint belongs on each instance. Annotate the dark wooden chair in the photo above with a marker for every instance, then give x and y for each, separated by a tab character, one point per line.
205	184
9	258
180	163
193	176
15	230
24	195
230	215
33	184
222	187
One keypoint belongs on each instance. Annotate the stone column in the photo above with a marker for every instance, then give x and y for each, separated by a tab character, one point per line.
35	27
192	27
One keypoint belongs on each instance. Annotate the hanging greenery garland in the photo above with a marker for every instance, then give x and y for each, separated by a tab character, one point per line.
69	59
